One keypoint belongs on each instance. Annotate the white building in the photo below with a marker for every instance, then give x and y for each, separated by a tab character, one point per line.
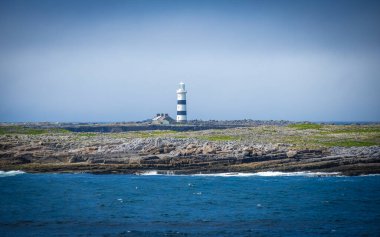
181	104
162	119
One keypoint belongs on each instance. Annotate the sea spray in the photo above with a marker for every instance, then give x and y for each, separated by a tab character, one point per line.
10	173
243	174
271	174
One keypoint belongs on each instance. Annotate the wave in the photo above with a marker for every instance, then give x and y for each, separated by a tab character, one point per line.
155	172
10	173
362	175
242	174
150	172
271	174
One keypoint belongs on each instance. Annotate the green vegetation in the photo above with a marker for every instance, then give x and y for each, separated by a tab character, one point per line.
181	136
330	129
58	130
304	126
313	142
162	132
313	136
302	136
144	134
218	138
350	143
175	134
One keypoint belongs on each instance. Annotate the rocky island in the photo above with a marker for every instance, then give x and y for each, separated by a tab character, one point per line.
199	147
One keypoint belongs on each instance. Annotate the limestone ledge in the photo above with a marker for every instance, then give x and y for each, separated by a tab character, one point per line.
104	154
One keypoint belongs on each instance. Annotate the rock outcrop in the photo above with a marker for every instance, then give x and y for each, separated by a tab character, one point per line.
107	154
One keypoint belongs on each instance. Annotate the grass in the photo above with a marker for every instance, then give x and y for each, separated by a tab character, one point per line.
304	126
155	133
218	138
144	134
303	135
350	129
350	143
174	134
314	136
181	136
162	132
88	134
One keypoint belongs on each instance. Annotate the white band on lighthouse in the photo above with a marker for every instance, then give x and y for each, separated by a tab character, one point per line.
181	104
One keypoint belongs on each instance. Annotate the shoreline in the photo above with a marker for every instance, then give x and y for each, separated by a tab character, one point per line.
254	167
202	174
348	149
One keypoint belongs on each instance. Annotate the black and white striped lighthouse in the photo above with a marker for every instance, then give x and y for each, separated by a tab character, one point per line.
181	104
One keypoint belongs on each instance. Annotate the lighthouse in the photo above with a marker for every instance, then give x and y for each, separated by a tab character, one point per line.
181	104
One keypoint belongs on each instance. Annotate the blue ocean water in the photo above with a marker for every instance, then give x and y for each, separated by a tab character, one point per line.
165	205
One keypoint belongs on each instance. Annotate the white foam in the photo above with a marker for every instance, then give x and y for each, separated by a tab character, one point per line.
232	174
155	172
303	173
10	173
369	175
150	172
242	174
270	174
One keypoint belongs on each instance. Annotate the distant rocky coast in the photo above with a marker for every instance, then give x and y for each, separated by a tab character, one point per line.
243	149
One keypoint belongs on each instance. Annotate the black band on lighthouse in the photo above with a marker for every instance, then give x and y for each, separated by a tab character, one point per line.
181	112
181	102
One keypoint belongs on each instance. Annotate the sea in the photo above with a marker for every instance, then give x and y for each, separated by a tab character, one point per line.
152	204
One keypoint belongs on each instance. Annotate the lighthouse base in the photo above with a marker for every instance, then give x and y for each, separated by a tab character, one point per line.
181	118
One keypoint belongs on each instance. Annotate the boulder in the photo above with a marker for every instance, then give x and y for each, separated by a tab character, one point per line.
158	142
190	151
191	146
291	154
168	149
76	159
247	151
199	150
208	149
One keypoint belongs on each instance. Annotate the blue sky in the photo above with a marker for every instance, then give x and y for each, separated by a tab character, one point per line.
123	60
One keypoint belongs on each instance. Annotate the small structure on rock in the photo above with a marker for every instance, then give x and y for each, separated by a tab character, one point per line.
162	119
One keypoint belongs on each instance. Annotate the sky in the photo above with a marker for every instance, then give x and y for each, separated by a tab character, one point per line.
111	61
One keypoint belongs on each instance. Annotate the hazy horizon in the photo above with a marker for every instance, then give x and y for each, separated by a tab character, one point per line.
111	61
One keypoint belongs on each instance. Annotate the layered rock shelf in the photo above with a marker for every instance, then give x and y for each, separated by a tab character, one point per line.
228	150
